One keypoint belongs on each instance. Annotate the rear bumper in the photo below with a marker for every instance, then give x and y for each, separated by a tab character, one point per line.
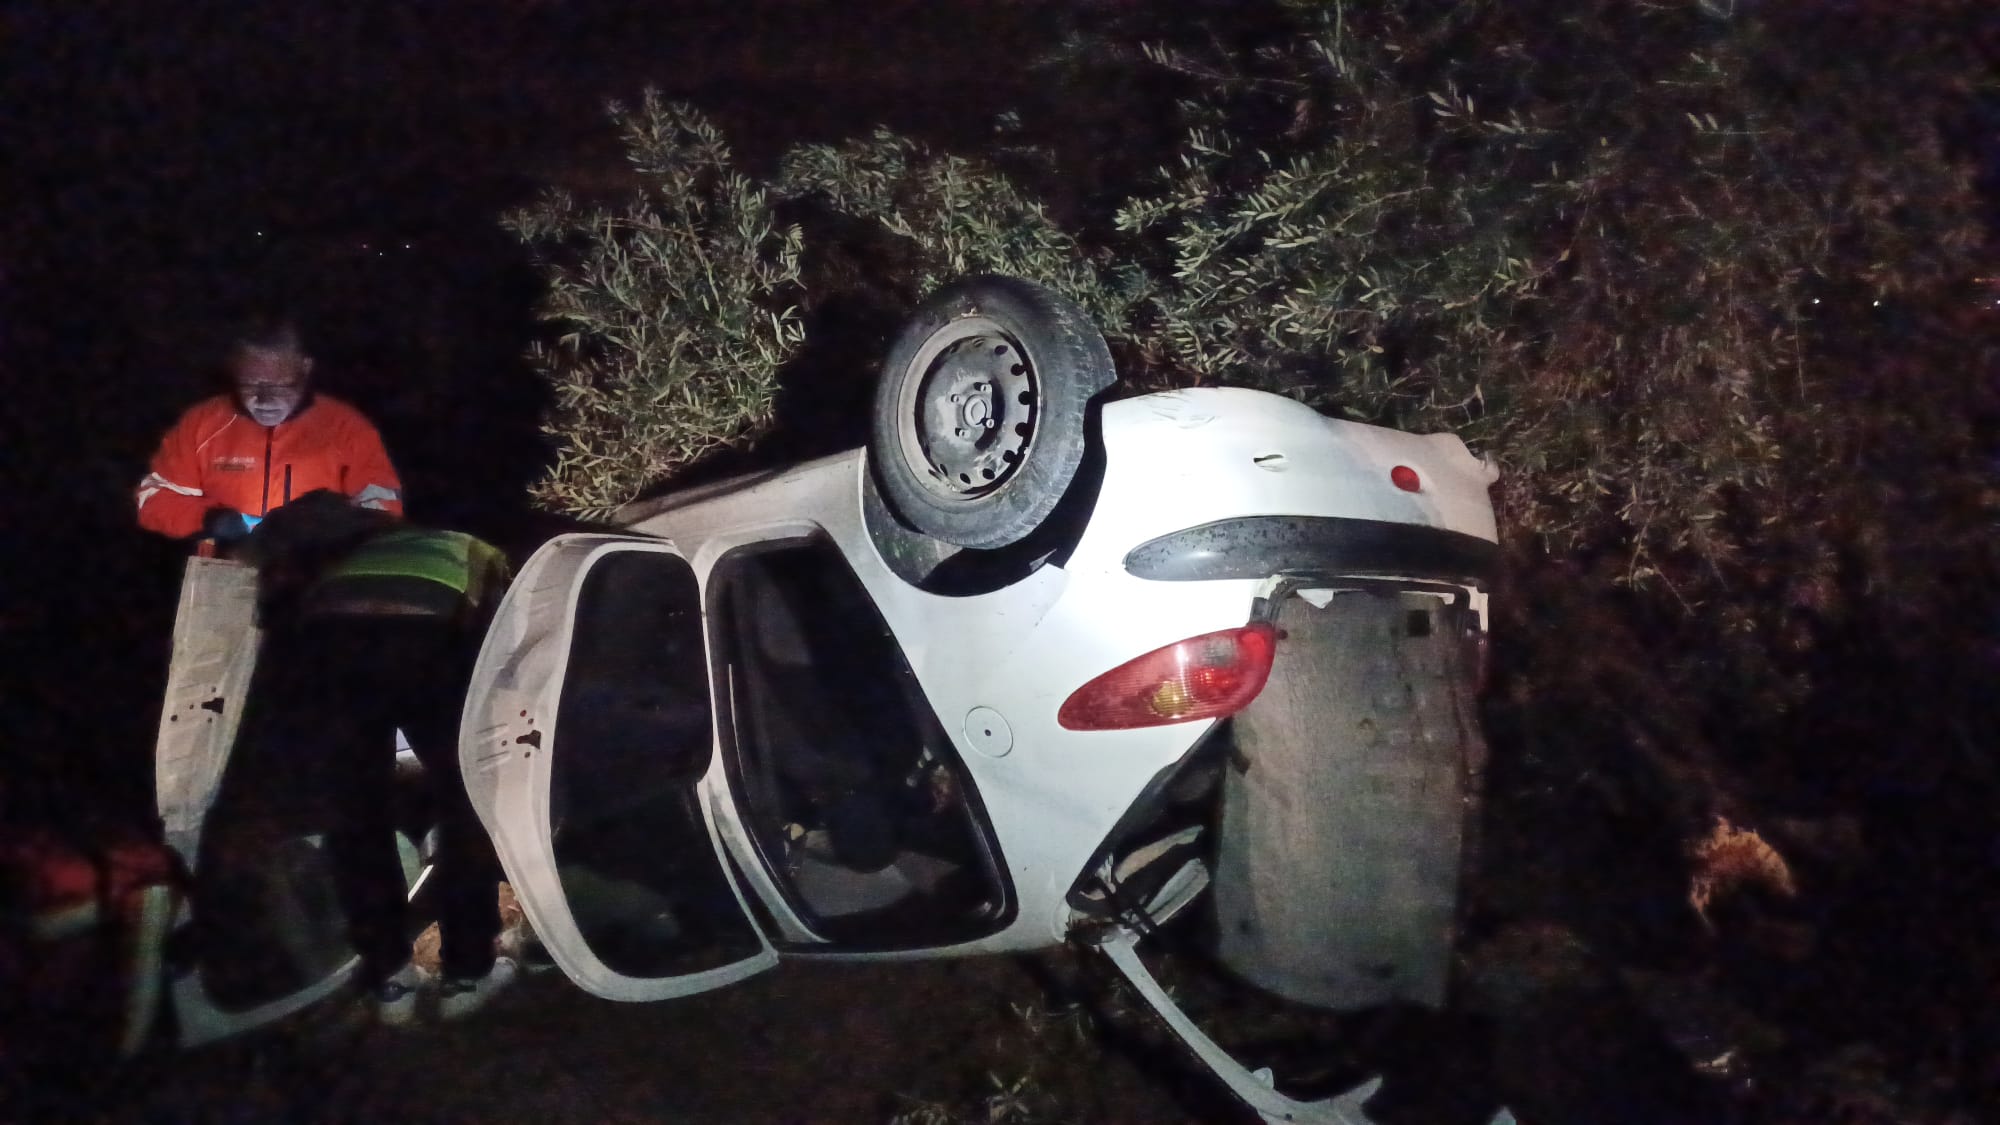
1260	546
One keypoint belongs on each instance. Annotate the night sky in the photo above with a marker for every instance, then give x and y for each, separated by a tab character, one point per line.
166	162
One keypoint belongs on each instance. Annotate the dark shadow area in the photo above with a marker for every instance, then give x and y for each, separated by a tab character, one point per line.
427	343
1093	986
351	161
1877	788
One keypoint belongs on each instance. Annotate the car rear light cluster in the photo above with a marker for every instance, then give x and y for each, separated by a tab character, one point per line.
1207	677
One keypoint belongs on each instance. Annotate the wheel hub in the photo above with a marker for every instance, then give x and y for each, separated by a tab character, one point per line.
973	411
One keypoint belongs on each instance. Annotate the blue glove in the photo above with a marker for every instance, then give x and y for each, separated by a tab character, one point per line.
225	525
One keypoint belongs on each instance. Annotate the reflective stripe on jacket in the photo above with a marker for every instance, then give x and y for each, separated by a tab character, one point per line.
216	456
413	570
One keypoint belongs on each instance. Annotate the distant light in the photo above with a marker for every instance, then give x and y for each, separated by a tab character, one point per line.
1875	302
1815	300
406	246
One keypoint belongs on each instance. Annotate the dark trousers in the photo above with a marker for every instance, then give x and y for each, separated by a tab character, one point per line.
330	694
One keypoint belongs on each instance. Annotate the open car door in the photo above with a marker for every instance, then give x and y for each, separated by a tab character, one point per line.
588	747
287	947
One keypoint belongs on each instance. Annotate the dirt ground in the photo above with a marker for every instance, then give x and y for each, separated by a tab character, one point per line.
1543	1022
995	1040
808	1043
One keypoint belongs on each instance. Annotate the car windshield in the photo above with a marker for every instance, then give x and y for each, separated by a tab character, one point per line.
632	738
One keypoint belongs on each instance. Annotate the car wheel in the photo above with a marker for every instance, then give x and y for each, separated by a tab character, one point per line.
979	422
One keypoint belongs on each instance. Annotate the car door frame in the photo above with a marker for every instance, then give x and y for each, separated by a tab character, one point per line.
214	656
508	769
796	936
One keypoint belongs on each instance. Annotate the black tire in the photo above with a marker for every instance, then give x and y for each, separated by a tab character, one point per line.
979	420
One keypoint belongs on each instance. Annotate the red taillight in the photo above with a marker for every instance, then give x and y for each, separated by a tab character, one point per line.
1206	677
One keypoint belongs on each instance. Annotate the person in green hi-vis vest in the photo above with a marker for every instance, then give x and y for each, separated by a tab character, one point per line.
371	626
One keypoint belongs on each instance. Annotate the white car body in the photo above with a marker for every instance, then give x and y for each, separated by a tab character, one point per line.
994	666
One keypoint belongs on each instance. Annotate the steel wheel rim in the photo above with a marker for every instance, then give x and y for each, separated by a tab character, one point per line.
966	410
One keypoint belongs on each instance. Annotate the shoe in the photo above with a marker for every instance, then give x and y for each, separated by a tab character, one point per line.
396	998
459	997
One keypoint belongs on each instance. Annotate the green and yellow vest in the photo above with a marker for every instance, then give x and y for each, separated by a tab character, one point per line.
413	571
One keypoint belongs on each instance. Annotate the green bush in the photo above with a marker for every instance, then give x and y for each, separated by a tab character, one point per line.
1584	236
961	216
1589	238
672	313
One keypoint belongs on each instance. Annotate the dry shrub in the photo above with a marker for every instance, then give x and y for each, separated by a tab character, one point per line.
1731	859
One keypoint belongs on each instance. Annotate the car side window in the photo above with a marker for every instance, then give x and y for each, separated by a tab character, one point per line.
632	738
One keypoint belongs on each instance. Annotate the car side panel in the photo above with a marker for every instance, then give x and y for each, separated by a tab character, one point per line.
1052	795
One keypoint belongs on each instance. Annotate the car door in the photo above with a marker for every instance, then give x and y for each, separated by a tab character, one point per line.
844	789
286	948
588	748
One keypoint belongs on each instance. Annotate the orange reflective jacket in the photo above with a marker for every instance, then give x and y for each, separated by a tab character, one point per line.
215	456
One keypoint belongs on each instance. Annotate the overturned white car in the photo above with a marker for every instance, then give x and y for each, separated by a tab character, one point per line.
1026	671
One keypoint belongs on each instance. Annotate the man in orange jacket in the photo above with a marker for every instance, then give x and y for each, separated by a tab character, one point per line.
232	459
